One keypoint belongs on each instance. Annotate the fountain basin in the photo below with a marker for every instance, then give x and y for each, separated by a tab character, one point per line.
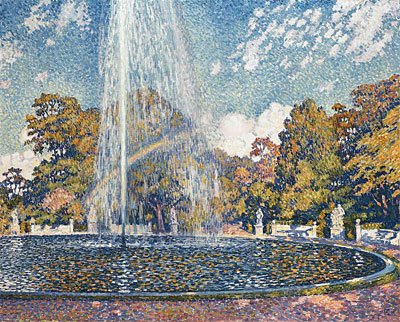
179	267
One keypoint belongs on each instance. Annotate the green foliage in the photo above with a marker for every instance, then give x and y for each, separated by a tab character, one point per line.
165	177
378	163
66	136
375	169
373	225
4	218
307	165
244	189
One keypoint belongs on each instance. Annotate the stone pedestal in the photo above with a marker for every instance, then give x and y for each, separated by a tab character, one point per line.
174	229
71	226
273	228
33	226
92	221
92	227
259	230
337	233
314	230
358	230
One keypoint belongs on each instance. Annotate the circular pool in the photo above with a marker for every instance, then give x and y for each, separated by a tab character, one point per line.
173	266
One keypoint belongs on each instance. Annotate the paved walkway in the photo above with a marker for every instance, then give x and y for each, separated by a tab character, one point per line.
379	303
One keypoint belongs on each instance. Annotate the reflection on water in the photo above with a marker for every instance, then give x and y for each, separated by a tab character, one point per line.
83	264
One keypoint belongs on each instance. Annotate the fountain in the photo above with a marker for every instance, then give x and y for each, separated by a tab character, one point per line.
151	152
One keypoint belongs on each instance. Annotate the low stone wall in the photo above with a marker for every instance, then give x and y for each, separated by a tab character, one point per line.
377	236
48	230
293	230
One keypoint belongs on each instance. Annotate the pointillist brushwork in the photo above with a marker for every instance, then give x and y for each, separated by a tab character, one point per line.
200	150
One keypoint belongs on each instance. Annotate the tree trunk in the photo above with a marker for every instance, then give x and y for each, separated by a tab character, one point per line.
385	206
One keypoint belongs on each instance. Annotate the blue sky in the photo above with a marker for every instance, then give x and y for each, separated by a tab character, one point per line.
252	59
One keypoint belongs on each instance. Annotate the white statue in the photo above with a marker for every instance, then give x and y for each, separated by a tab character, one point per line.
260	216
173	218
337	216
173	222
15	229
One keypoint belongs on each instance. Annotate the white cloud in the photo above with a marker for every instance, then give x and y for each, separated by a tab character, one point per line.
292	21
252	23
50	42
10	51
342	7
26	161
301	23
366	26
258	12
316	16
72	11
37	20
343	39
237	132
279	31
5	84
334	50
270	122
308	59
41	77
329	33
360	29
215	68
307	13
240	46
291	3
374	49
290	38
277	9
285	63
251	55
268	48
327	86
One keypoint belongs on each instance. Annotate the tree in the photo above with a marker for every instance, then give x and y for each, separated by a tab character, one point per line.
244	190
307	164
154	183
267	152
375	101
67	137
62	203
377	166
171	174
346	127
14	185
235	177
307	136
4	218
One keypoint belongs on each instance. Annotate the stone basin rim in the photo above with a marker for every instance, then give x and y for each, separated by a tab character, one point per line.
389	270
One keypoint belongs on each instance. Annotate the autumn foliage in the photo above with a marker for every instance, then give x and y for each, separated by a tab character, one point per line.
351	157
